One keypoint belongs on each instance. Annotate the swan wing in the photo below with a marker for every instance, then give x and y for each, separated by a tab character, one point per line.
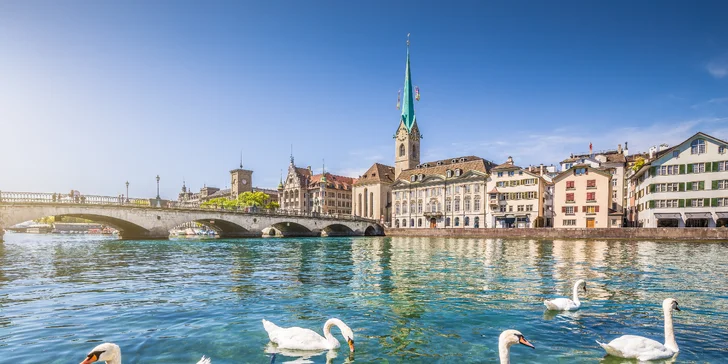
205	360
637	347
295	338
560	304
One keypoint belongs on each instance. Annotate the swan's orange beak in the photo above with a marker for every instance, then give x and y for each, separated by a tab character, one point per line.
523	341
351	344
90	359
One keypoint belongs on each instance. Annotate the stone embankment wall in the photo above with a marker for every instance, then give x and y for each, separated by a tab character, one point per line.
549	233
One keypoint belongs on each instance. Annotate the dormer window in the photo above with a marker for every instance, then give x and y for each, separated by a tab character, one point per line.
439	163
697	146
413	178
453	160
462	159
449	173
458	172
422	176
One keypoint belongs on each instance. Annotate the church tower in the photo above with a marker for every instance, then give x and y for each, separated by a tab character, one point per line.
241	180
407	138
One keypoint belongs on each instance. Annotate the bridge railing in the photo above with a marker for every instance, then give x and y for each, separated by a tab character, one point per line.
77	199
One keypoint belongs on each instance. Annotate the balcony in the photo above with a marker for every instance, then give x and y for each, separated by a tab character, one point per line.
431	214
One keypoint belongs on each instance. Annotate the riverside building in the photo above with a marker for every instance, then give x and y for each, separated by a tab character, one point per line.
516	197
582	197
685	185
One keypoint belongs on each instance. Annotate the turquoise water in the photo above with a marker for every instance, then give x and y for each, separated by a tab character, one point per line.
414	300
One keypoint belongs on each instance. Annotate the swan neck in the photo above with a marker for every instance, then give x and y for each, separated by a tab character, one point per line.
327	332
576	293
504	352
116	360
670	342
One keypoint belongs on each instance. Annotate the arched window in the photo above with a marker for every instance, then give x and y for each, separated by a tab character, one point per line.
359	206
467	221
457	204
413	178
414	151
401	150
457	221
404	222
476	204
466	204
371	204
477	222
697	146
419	206
419	222
396	208
396	223
448	205
366	202
447	221
412	222
449	173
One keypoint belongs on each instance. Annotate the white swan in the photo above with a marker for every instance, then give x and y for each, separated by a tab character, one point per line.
642	348
111	354
565	304
297	338
507	339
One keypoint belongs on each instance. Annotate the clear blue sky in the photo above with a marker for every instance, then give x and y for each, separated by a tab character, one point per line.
94	93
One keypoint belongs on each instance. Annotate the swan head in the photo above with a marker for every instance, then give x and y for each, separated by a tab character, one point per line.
512	337
670	304
581	284
349	336
105	352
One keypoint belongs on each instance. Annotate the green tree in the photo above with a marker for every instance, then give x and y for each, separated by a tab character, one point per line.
638	164
272	205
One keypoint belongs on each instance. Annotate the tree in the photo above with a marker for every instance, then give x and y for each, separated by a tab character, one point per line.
638	164
272	205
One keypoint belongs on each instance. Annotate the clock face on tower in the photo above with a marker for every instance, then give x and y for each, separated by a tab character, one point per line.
244	181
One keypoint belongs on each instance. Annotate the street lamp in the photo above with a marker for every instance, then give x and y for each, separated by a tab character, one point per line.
157	187
127	191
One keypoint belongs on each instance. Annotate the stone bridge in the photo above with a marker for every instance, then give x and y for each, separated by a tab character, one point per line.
153	219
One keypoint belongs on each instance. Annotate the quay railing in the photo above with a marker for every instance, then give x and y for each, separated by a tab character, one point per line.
78	199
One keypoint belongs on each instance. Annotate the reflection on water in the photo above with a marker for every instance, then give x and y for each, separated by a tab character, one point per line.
407	299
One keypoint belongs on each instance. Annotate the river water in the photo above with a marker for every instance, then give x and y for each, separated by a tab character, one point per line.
408	300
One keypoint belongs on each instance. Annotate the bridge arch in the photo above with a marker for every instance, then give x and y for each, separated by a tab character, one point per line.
223	228
126	228
290	228
337	230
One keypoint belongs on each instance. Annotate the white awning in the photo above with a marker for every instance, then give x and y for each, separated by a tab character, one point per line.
675	215
698	215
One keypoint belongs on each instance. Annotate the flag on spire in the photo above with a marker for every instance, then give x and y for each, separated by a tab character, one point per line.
417	93
398	93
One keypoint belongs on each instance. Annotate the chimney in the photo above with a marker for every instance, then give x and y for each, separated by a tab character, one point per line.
509	160
619	148
626	150
541	169
653	150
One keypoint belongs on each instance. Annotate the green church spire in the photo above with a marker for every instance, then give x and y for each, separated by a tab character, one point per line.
408	99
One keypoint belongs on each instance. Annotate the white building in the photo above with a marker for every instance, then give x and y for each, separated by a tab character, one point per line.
515	197
685	186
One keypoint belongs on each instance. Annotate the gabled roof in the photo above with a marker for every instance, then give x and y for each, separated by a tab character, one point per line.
466	164
505	166
662	153
377	173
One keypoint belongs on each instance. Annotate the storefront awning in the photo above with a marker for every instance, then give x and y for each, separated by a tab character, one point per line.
668	216
698	215
722	215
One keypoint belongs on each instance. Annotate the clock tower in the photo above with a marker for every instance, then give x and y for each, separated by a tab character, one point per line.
407	138
241	180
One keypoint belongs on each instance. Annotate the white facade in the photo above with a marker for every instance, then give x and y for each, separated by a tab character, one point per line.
685	186
515	197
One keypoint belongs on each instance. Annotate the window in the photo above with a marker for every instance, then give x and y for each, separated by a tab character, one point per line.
591	196
449	190
722	166
476	204
532	194
697	146
591	209
569	210
676	154
502	209
500	174
404	222
614	194
721	150
722	185
401	150
457	221
421	193
520	208
466	204
580	171
698	167
529	207
697	202
396	208
570	222
695	186
569	197
419	206
500	184
511	173
448	205
412	222
457	204
467	188
592	183
477	188
447	221
723	201
413	178
449	173
477	222
614	182
413	207
419	222
458	172
567	166
569	184
404	207
510	208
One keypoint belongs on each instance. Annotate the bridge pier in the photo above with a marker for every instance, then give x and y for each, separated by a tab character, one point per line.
2	232
147	235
